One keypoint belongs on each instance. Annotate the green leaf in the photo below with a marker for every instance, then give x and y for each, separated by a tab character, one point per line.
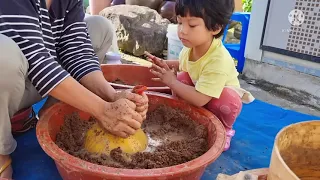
247	5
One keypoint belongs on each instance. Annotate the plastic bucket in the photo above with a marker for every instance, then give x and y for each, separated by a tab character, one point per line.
174	44
72	168
295	155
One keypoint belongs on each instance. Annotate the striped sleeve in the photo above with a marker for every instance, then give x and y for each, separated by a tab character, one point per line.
24	28
75	50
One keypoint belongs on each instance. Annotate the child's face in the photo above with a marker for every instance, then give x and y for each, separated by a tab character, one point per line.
192	31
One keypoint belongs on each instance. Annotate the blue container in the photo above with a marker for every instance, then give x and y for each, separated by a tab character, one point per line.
237	50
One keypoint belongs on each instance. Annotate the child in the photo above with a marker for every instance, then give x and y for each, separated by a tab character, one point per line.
208	77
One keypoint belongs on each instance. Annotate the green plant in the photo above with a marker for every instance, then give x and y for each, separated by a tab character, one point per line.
85	4
247	5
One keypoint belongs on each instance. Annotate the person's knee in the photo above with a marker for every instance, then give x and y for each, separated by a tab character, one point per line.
11	58
229	104
100	29
232	100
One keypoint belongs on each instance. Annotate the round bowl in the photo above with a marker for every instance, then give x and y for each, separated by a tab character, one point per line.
296	153
72	168
132	75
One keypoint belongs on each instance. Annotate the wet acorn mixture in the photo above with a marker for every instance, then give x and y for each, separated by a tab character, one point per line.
173	139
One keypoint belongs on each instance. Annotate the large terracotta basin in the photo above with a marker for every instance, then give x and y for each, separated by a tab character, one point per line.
72	168
132	75
296	153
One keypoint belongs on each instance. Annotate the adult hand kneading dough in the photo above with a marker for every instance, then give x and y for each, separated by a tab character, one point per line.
99	141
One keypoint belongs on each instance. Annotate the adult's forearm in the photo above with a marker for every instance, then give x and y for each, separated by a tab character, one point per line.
73	93
98	5
96	83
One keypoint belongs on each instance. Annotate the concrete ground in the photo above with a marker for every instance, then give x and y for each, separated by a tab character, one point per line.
281	96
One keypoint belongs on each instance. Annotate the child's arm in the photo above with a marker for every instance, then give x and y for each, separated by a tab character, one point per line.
173	64
162	69
165	74
189	93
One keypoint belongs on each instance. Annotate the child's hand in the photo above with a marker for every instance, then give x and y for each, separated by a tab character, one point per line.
165	75
155	60
160	69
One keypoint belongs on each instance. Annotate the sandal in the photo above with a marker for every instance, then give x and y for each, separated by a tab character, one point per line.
5	166
230	133
23	121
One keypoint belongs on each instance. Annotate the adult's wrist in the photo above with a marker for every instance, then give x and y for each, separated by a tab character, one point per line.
106	93
74	94
100	109
97	84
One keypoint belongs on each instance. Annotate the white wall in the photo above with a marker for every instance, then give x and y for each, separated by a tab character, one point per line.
253	51
303	66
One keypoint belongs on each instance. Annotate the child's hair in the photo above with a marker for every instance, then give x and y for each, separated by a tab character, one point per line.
215	13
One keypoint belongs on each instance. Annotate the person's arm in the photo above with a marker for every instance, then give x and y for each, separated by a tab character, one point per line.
98	5
209	85
44	71
79	59
186	92
163	71
22	26
78	97
118	117
47	75
190	94
77	55
173	64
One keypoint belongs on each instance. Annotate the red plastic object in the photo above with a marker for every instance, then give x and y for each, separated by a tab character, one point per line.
132	75
19	118
139	89
72	168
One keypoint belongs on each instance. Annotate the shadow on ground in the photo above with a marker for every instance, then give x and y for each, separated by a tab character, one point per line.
287	98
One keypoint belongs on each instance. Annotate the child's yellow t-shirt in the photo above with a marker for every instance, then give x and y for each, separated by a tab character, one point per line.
213	71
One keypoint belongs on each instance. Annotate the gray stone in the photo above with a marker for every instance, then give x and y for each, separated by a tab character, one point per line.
238	31
138	28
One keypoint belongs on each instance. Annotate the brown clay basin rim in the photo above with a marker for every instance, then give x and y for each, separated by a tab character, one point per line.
79	165
276	148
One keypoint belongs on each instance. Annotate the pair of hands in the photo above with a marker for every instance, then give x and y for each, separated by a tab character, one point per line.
124	116
161	70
